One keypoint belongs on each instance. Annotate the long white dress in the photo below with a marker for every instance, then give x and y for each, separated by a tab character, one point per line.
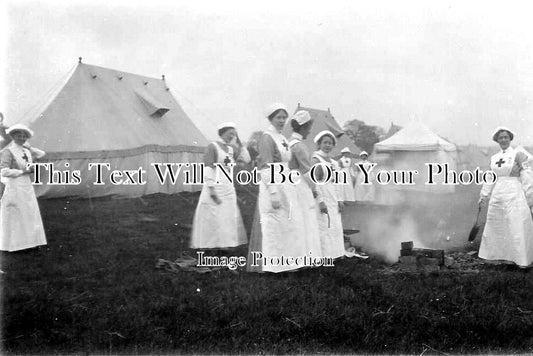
508	233
306	202
330	229
364	192
347	190
281	231
21	226
218	225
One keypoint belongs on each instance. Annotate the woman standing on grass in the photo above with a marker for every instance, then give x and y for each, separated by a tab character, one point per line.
217	221
330	203
508	233
306	190
21	226
278	227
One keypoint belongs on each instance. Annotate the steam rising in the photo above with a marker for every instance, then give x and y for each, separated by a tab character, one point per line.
438	221
385	232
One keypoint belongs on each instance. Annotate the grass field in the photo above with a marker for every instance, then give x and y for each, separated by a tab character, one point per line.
95	289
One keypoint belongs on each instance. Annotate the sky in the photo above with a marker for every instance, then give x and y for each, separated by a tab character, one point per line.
462	68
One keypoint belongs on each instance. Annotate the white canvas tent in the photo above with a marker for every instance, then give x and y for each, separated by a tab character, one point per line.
410	149
127	120
323	120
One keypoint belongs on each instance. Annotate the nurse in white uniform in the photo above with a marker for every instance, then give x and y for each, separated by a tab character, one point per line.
364	192
330	204
278	236
346	165
508	233
306	190
21	226
217	220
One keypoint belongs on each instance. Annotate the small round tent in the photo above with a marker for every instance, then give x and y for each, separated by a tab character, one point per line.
411	148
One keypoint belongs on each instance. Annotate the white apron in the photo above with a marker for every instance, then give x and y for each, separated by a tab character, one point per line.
21	226
307	205
331	233
282	229
364	192
218	225
347	190
508	233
